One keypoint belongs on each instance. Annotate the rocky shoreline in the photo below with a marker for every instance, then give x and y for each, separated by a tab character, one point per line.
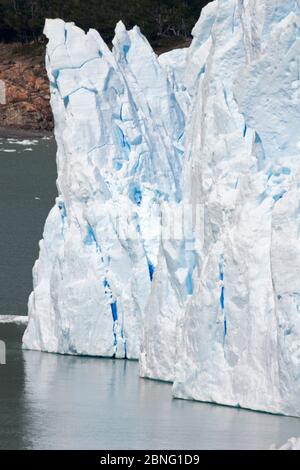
26	104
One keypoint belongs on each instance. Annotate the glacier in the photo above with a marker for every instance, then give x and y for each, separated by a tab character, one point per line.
235	335
175	235
119	157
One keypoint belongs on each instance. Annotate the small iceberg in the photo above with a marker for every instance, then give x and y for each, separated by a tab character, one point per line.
25	142
17	319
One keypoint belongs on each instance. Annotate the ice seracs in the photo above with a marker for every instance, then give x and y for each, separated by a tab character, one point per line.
116	164
208	138
235	331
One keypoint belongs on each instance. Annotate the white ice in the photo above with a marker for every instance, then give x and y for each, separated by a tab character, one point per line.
213	131
16	319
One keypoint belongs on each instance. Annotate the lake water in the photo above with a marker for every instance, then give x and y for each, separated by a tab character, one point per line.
27	192
50	401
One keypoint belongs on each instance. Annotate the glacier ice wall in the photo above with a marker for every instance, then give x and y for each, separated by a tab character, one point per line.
120	150
204	140
236	334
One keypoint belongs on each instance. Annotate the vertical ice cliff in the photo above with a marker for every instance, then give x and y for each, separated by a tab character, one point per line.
119	157
174	283
236	335
176	231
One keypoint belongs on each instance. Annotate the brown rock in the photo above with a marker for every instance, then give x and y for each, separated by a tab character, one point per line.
15	94
40	84
27	91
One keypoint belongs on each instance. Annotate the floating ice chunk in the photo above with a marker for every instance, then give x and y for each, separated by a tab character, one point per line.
25	142
17	319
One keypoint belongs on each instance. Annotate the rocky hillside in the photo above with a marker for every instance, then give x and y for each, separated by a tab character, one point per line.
27	90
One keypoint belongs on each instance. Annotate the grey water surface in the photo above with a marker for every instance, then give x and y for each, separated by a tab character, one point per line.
51	401
27	192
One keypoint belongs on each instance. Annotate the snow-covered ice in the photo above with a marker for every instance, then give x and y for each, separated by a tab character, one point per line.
205	138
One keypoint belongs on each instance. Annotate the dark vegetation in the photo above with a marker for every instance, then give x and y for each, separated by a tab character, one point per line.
160	20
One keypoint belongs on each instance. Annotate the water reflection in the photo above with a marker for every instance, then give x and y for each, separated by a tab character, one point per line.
90	403
13	413
64	402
